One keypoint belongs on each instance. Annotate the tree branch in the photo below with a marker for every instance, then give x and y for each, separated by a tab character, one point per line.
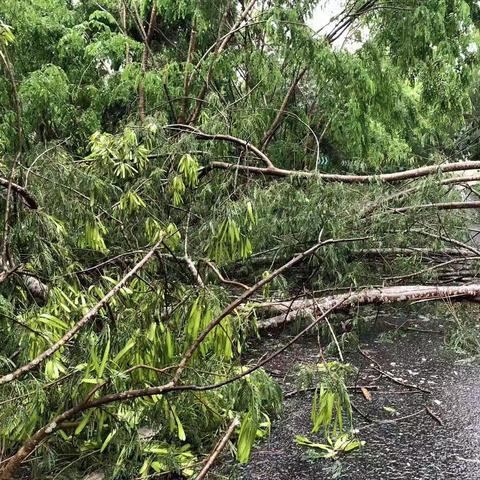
283	110
406	293
225	138
193	270
245	296
218	448
341	26
22	192
347	178
187	79
219	47
86	319
462	179
223	279
147	40
437	206
18	116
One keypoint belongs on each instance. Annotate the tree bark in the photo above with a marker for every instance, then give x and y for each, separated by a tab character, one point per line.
218	448
408	293
347	178
462	179
437	206
146	49
224	138
22	192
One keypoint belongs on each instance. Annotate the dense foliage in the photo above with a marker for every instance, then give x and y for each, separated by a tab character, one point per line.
101	107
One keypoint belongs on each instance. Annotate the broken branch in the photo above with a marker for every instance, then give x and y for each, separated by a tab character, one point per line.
87	318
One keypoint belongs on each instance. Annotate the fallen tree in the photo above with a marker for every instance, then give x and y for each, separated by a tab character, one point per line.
316	307
407	293
183	117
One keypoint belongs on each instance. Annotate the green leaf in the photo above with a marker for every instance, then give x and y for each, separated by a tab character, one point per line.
246	438
180	431
128	346
390	410
108	440
83	423
103	364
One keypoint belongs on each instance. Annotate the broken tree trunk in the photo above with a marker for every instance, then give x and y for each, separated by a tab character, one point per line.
22	192
290	311
37	289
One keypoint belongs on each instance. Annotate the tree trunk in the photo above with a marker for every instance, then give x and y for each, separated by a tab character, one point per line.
290	311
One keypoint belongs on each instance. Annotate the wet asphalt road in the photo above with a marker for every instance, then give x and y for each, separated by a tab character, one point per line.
417	447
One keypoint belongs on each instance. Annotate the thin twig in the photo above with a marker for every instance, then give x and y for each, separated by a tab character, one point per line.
434	415
377	367
362	414
222	278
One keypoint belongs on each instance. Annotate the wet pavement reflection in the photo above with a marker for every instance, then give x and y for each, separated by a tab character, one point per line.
416	447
